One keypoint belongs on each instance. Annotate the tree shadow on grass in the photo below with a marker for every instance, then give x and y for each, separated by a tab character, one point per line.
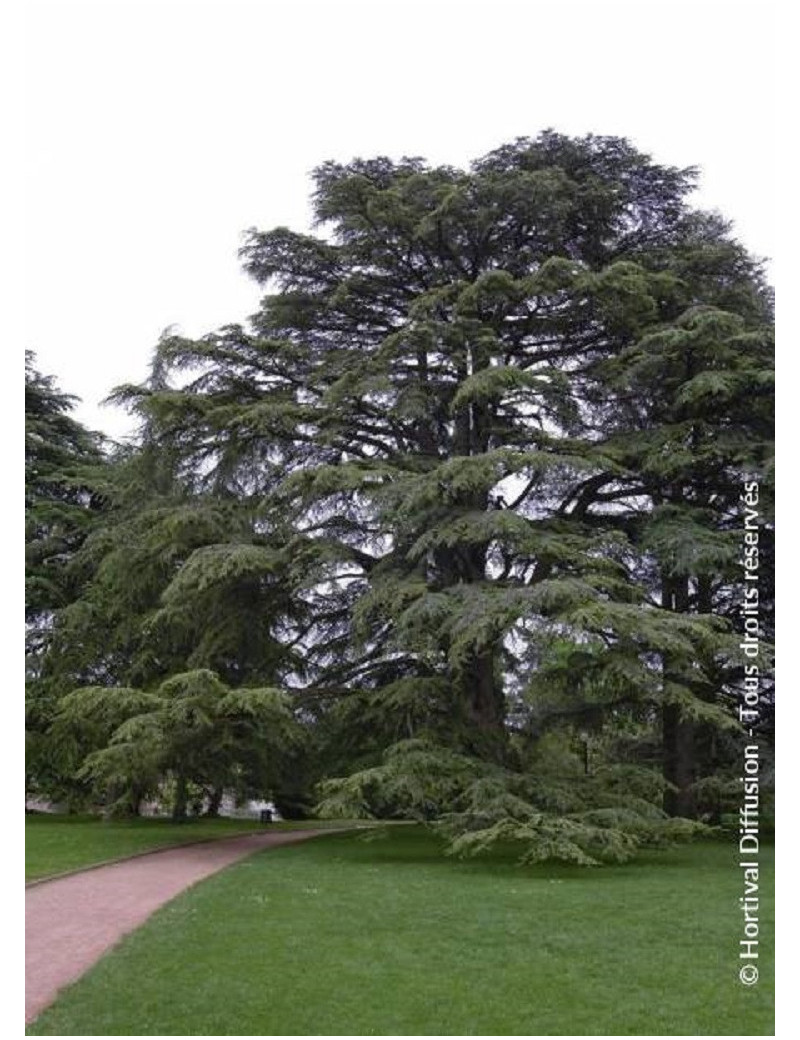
417	846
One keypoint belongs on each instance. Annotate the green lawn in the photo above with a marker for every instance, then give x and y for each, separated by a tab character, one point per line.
54	844
343	935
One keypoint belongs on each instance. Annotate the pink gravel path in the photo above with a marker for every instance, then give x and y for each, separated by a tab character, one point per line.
70	922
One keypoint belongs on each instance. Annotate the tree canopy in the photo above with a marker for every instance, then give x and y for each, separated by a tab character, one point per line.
61	494
467	488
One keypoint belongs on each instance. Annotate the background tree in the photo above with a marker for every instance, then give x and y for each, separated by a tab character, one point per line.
178	578
63	496
65	482
192	730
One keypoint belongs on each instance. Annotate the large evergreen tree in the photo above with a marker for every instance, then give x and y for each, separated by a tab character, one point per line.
496	420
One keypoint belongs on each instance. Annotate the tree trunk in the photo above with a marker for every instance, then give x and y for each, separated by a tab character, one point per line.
678	734
137	797
180	804
679	762
485	707
481	691
214	802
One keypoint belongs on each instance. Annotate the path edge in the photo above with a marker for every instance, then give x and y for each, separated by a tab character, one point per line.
170	848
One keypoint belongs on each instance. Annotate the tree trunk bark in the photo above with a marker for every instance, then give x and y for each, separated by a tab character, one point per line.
214	802
485	707
180	804
137	797
678	734
679	762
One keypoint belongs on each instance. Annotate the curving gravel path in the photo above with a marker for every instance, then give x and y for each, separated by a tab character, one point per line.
70	922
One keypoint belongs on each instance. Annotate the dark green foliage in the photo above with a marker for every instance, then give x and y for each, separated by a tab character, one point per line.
193	729
63	494
482	448
66	475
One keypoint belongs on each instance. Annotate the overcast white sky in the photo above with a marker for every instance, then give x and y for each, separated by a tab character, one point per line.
158	132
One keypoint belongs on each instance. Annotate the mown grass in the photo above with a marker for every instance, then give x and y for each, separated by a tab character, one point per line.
56	844
346	936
